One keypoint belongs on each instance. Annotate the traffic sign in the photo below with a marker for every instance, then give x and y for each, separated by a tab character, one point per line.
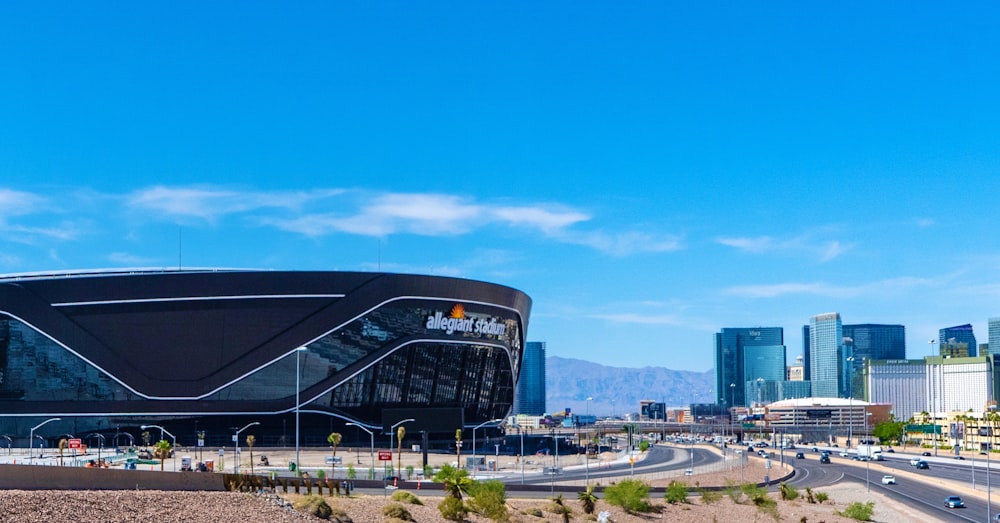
75	443
385	455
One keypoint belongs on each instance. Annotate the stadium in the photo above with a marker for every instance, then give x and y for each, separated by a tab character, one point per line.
204	352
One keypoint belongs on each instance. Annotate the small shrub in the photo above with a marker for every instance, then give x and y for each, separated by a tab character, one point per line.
453	509
409	471
630	495
821	497
339	516
588	499
405	496
534	511
710	496
559	508
859	511
809	495
396	511
489	498
735	493
756	494
788	492
677	492
351	472
313	505
643	446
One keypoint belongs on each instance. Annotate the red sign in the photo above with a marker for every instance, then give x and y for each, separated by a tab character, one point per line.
75	443
385	455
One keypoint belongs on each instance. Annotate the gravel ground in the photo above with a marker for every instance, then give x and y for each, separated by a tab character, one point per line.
214	507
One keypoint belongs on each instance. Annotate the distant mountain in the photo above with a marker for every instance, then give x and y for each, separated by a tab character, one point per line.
569	382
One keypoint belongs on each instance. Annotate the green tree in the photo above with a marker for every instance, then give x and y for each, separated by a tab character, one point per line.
400	432
630	494
889	431
458	446
677	492
162	451
489	498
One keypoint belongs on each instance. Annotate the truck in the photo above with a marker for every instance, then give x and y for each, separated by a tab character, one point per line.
872	452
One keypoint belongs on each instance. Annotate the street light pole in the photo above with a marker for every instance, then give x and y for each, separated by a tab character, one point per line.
236	467
297	404
372	435
474	439
732	405
850	408
868	485
930	411
31	437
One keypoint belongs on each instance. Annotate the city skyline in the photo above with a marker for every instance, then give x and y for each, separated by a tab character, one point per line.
647	173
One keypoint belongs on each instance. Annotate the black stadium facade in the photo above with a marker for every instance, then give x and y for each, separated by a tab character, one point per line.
207	351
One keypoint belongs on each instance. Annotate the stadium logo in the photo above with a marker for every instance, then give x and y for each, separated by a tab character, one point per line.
457	322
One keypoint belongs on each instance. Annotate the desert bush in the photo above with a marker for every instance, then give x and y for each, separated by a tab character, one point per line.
588	499
788	492
859	511
709	496
821	497
677	492
489	498
453	509
313	505
405	496
396	511
630	494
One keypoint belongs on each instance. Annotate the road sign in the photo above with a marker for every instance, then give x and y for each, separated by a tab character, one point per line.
385	455
75	443
201	442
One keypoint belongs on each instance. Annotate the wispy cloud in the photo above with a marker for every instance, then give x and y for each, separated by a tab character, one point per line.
123	258
823	251
880	287
18	203
924	222
625	243
647	319
210	203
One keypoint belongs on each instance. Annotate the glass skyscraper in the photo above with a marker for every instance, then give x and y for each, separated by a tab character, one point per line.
826	357
875	342
530	396
994	336
744	355
951	340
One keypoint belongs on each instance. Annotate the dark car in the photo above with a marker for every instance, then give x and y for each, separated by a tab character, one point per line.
922	465
925	453
800	455
815	449
825	458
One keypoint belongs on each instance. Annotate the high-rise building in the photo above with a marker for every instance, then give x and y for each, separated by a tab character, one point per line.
744	355
827	361
530	396
994	336
957	341
876	342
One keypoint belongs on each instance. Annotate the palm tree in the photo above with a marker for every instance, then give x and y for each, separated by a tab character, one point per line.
62	447
588	499
400	432
458	447
162	451
250	441
455	481
334	439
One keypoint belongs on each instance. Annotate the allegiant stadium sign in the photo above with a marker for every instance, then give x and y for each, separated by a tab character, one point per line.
457	322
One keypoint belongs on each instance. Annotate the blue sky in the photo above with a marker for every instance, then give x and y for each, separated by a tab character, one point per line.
648	173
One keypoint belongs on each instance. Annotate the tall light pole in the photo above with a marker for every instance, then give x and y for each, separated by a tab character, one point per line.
520	431
850	408
732	405
868	485
930	410
297	404
392	431
31	437
474	437
162	432
236	438
372	434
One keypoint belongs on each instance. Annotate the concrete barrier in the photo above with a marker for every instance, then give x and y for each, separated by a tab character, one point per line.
32	477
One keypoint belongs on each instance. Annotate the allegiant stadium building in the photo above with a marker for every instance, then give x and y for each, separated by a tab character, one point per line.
207	351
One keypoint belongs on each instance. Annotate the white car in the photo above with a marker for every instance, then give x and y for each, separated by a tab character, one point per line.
888	480
914	461
844	454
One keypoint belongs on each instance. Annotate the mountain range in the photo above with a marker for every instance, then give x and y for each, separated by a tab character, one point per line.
616	391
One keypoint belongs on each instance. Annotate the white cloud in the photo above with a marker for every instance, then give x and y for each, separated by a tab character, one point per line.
18	203
646	319
823	251
625	243
876	288
209	203
123	258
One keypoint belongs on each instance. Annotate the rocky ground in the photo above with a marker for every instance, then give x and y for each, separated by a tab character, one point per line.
215	507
